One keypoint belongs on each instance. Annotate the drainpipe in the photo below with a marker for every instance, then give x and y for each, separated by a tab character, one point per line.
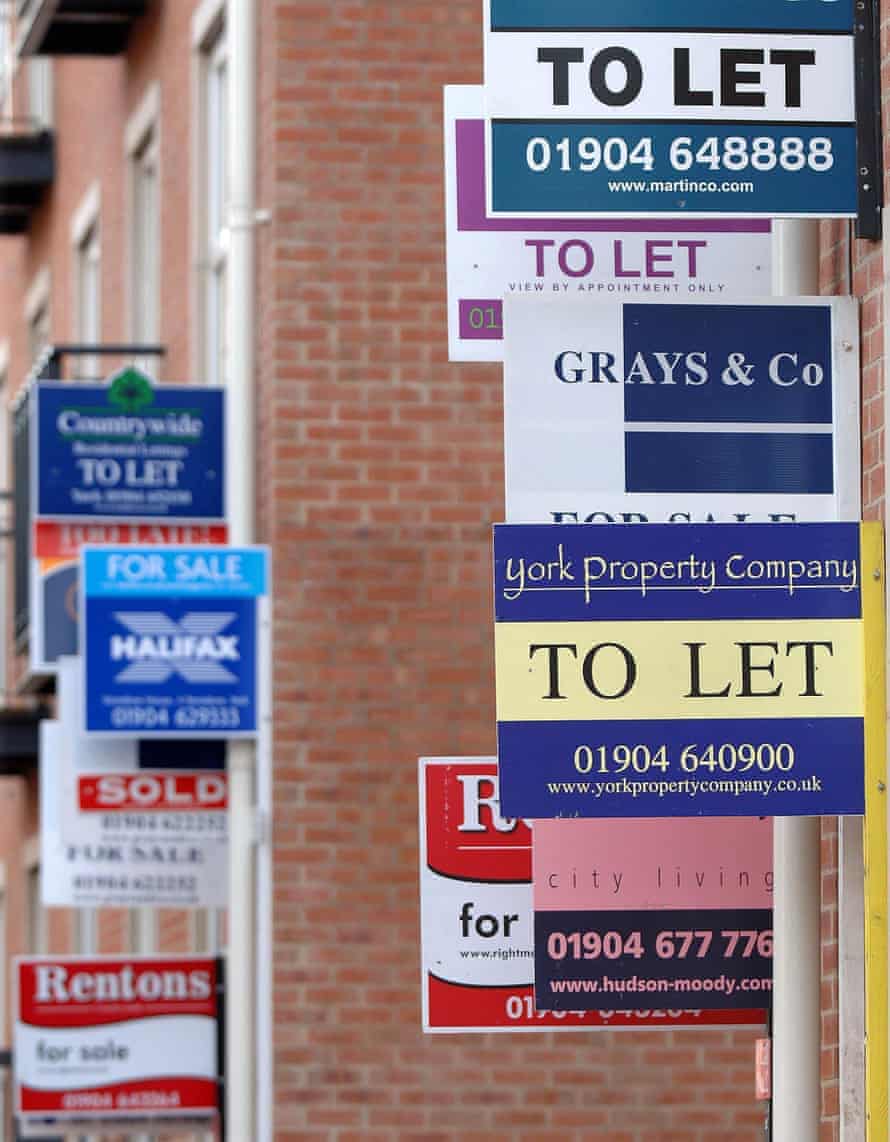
246	1055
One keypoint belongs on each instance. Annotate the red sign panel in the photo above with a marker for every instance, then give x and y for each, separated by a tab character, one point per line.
109	1037
64	540
147	792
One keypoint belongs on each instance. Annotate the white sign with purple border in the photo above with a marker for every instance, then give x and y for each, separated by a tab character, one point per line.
627	259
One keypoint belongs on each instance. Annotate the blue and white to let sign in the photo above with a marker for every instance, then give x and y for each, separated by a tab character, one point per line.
706	670
129	449
175	640
667	107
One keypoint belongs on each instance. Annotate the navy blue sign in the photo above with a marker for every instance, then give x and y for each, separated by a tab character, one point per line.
669	670
695	376
674	958
171	640
129	449
551	573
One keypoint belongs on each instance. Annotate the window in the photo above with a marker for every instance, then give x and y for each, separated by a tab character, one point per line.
6	61
208	930
86	931
212	199
87	281
35	933
143	153
143	930
40	92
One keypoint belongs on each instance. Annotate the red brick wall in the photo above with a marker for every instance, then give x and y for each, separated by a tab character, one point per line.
381	472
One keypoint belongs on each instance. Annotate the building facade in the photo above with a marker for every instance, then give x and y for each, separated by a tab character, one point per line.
379	471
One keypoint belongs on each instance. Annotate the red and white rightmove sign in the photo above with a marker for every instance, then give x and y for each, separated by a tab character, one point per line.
477	939
111	1037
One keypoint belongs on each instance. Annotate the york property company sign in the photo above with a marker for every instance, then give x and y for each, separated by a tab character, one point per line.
705	670
175	640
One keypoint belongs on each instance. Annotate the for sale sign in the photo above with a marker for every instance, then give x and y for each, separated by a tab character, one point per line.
678	107
109	1038
683	671
477	943
174	640
653	914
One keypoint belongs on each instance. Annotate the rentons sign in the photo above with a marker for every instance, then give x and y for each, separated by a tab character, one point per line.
99	1038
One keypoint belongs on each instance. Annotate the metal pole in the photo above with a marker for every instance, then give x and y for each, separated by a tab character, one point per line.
796	848
241	1040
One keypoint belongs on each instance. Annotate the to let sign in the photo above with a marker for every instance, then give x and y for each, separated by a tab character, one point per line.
681	106
712	669
129	449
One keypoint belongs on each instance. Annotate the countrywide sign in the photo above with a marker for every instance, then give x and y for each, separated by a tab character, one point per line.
684	106
694	411
682	671
129	449
477	947
607	258
112	1037
655	914
174	640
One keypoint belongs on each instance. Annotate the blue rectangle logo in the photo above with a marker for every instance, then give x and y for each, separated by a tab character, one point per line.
130	450
800	768
778	462
756	364
611	960
671	15
565	168
177	667
588	572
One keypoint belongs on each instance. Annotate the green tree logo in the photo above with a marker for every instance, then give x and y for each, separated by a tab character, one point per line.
131	391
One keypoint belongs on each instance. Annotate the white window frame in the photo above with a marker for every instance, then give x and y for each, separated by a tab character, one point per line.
141	134
210	243
86	244
36	920
37	306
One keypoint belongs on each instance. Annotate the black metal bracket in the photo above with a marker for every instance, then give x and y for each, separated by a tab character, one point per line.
869	134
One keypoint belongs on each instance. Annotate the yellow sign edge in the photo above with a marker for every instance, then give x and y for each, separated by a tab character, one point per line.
875	835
